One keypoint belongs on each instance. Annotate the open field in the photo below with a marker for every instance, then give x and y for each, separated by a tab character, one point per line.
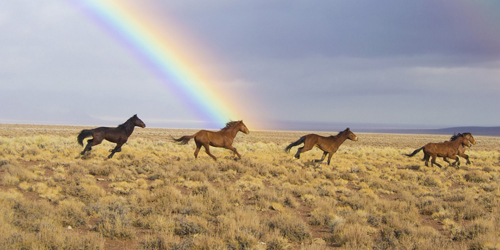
155	195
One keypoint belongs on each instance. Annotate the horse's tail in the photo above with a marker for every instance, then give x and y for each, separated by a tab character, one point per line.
84	134
293	144
415	152
183	140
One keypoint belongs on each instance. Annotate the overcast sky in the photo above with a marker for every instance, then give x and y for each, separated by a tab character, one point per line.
427	63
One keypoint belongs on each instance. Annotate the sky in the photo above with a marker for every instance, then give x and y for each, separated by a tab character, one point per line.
428	63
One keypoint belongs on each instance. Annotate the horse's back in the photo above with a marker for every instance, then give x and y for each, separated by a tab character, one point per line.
200	135
441	149
102	129
204	136
315	139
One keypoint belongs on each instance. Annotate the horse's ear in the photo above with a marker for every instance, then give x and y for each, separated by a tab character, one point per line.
348	129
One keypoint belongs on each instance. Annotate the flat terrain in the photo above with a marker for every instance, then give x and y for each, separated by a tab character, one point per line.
156	195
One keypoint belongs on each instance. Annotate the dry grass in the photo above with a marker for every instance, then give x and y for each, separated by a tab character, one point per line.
155	195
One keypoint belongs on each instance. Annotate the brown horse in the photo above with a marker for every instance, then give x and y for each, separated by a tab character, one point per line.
461	148
329	145
222	138
447	149
118	135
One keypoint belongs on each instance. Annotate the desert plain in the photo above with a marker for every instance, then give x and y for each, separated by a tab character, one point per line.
156	195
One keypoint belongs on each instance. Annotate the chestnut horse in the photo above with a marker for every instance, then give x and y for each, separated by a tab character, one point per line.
118	135
329	145
222	138
461	148
447	149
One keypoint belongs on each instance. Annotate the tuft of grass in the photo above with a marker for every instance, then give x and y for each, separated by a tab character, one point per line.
290	228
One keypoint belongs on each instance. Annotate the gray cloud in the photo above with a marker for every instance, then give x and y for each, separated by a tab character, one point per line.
423	62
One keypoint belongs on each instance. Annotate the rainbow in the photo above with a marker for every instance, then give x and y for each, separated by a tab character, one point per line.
165	56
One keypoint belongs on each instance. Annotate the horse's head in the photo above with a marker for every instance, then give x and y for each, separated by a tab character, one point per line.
470	138
466	142
463	138
243	127
138	122
466	138
350	135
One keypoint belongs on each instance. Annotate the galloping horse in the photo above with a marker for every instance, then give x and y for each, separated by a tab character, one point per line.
447	149
329	145
118	135
461	148
222	138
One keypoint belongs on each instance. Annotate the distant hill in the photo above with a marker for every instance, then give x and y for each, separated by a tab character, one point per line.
484	131
384	128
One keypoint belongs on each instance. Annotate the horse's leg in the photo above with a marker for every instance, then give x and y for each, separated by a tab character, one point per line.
330	157
433	161
426	159
303	149
457	161
322	157
88	147
466	157
207	150
118	148
197	150
446	160
96	139
230	147
297	155
92	142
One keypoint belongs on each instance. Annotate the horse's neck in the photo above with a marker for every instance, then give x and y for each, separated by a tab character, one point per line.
128	126
341	138
458	142
129	130
233	131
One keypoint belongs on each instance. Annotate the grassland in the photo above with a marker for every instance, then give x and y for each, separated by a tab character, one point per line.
155	195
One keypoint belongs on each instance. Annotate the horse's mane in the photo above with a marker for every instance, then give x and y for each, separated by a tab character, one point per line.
230	125
456	136
341	132
127	123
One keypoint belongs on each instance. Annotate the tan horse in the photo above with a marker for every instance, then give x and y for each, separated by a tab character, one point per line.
447	149
329	145
222	138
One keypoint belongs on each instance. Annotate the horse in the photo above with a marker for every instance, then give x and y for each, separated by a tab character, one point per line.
447	149
329	145
461	148
118	135
222	138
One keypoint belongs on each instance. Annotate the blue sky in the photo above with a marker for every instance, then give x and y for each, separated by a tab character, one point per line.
413	63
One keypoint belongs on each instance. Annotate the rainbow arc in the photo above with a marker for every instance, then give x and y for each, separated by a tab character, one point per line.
165	56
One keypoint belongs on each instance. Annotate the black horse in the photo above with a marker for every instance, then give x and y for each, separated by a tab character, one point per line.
118	135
